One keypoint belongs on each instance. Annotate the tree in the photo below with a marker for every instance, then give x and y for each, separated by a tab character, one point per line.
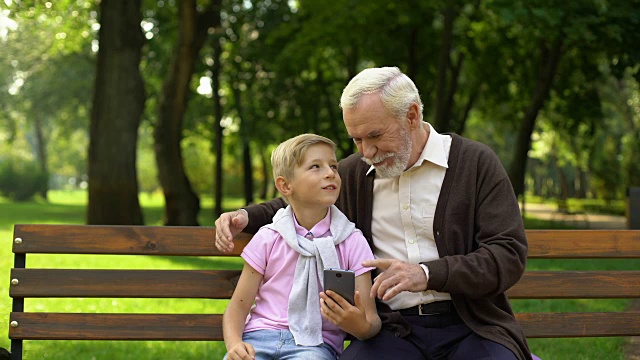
537	37
37	66
181	202
118	103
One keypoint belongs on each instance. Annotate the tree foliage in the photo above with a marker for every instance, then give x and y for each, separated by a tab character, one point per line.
226	80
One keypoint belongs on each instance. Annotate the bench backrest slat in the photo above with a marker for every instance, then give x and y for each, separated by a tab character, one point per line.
583	244
211	284
591	324
120	240
72	326
199	241
65	326
219	284
577	285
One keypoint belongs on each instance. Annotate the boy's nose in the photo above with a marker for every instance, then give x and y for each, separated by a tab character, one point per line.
329	173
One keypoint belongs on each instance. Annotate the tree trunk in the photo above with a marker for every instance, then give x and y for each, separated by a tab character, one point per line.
217	111
118	103
464	115
352	58
335	124
41	148
632	167
181	202
412	57
581	177
549	59
246	127
248	172
442	120
266	175
218	130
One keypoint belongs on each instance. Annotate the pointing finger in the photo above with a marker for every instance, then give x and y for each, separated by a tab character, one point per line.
382	264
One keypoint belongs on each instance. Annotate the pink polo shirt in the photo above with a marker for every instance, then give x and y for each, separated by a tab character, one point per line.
269	254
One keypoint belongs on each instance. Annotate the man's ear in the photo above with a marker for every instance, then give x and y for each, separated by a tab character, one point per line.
413	116
283	186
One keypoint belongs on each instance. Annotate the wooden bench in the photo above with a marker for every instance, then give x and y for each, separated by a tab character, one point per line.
219	284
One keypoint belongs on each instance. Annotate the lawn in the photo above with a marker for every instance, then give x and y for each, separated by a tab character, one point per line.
69	208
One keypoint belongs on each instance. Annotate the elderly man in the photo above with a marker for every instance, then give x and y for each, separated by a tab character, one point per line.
439	213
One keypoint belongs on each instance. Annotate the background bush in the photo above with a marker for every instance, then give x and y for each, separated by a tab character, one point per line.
21	180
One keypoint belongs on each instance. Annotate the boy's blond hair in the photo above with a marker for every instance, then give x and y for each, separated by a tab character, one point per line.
290	153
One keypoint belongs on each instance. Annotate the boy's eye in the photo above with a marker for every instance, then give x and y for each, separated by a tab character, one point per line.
335	167
314	166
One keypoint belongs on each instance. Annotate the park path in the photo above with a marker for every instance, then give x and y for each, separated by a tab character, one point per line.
596	222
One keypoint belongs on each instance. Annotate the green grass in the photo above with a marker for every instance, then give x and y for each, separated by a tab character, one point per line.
595	206
69	208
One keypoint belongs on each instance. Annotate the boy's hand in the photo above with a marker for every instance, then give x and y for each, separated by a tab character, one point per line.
241	351
339	312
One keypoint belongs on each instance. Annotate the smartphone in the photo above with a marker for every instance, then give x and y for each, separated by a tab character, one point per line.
343	282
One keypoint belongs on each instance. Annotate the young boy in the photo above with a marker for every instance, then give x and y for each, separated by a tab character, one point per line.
284	262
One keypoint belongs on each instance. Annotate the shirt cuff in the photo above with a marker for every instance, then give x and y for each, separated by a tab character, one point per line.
426	272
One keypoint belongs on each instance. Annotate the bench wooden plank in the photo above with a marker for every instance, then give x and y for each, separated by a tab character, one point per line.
583	244
67	326
114	239
219	284
577	285
561	325
198	241
211	284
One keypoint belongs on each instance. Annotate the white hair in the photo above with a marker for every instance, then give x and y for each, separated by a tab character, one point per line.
397	91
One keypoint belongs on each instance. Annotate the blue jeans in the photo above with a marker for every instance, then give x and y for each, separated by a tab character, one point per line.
280	345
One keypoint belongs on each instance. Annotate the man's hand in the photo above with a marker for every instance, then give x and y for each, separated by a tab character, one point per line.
395	277
228	225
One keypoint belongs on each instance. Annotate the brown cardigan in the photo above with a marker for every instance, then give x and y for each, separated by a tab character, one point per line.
478	231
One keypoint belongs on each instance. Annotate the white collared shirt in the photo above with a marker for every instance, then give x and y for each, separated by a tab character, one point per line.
412	198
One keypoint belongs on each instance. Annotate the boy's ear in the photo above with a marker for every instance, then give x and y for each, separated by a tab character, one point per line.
283	186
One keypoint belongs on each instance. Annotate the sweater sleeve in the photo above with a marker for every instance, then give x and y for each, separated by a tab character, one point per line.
482	236
262	214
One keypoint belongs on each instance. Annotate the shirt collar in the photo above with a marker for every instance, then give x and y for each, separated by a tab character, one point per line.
318	230
433	151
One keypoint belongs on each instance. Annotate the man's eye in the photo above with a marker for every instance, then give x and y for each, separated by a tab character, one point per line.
357	141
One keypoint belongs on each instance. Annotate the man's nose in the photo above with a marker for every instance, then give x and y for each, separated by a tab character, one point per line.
368	149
